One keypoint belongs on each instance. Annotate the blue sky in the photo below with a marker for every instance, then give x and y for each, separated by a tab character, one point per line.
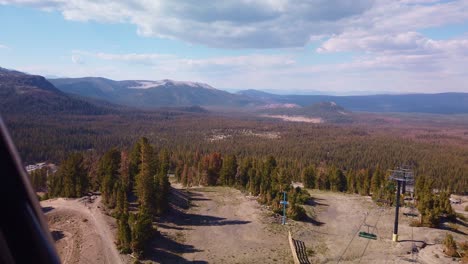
340	47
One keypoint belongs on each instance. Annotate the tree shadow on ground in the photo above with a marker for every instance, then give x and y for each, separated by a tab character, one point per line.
460	222
315	201
177	215
172	227
313	221
161	256
199	199
167	250
47	209
449	228
417	241
193	196
203	189
164	249
57	235
455	231
179	198
181	218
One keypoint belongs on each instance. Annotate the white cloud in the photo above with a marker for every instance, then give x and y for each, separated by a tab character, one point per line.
408	43
382	35
229	23
251	60
77	59
409	54
263	23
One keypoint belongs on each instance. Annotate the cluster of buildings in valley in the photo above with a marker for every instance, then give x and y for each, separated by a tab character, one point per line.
52	167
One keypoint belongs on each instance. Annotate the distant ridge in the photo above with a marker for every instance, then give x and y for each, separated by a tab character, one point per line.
54	94
22	93
153	94
440	103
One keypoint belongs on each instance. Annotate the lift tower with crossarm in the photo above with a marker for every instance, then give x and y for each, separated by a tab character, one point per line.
403	176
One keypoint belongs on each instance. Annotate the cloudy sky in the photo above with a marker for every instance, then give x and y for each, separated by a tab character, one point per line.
300	46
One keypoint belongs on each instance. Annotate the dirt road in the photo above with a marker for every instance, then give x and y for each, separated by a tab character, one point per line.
82	232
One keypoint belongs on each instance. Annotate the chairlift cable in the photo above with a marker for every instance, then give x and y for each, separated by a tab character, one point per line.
375	227
355	234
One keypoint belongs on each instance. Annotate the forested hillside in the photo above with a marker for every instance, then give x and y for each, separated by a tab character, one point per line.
294	145
134	186
33	96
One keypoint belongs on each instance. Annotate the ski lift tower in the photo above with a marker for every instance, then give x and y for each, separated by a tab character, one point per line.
403	176
284	203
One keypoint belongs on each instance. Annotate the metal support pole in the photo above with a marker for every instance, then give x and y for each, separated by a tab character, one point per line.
284	208
397	210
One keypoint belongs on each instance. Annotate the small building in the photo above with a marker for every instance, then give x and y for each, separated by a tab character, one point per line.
455	201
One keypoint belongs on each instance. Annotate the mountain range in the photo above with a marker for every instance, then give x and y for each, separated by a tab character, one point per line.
441	103
168	93
20	92
152	94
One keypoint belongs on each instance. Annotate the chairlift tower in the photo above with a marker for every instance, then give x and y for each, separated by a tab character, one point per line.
403	176
284	203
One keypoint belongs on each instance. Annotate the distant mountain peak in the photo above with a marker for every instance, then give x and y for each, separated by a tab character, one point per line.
168	83
153	94
278	105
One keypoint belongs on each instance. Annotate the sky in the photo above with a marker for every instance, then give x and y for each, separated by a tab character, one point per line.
284	46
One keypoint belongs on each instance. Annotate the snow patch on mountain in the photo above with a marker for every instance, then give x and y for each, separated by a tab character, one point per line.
155	84
274	106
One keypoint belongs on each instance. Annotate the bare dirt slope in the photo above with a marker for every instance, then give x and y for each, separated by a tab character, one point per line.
221	226
339	217
83	234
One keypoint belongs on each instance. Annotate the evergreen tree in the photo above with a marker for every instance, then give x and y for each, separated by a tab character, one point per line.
323	182
376	182
162	186
38	179
228	170
124	233
108	175
351	182
134	162
142	231
211	165
309	177
71	180
144	181
243	175
124	172
337	180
